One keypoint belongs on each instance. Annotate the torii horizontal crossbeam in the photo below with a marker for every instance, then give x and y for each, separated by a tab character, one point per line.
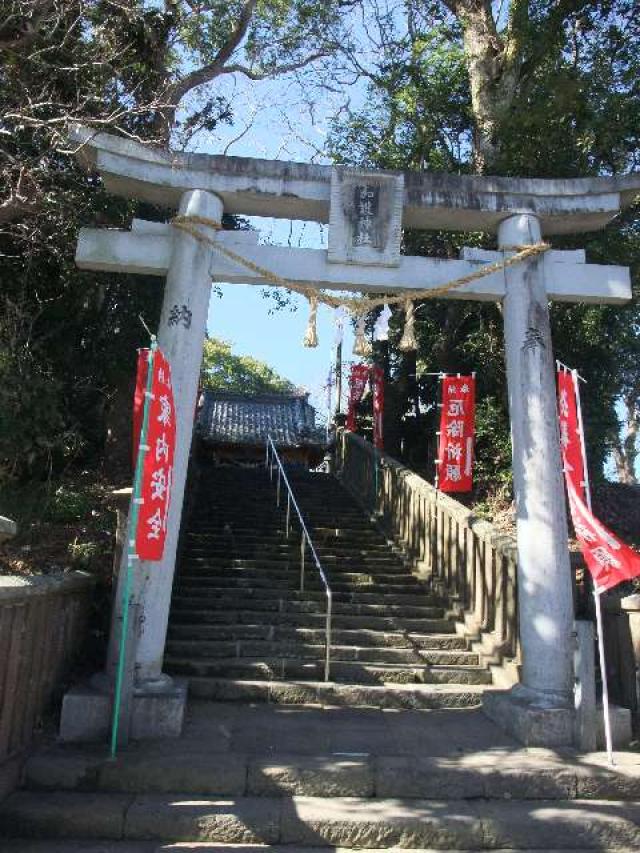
288	190
147	250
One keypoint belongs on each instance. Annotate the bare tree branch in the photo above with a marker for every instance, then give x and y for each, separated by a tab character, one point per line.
277	71
209	72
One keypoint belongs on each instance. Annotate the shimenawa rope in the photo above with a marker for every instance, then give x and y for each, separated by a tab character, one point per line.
358	305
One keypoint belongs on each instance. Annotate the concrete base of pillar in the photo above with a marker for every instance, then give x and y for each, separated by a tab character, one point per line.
528	719
620	727
86	713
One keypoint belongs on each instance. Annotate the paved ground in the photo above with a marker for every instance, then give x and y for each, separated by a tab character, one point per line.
324	778
270	729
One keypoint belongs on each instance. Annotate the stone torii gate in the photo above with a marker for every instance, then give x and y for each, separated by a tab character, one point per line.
366	212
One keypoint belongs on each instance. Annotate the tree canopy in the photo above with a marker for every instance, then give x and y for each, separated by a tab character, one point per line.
223	370
143	69
527	88
523	87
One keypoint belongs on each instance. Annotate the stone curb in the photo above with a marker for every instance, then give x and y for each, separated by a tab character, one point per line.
428	696
315	822
18	588
186	847
519	776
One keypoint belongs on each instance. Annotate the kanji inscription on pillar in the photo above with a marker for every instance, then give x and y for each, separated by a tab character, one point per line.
157	476
365	219
366	230
180	315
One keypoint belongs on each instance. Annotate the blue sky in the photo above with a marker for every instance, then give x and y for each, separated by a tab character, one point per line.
241	317
273	122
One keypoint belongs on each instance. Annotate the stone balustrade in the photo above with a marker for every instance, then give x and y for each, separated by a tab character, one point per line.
43	625
459	553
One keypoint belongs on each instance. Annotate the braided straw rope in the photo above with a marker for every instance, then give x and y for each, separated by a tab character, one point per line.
358	305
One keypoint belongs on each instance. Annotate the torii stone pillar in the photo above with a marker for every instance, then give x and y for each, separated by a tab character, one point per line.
158	704
539	710
181	336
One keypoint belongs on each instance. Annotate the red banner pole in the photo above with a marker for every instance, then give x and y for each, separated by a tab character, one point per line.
440	376
436	482
596	593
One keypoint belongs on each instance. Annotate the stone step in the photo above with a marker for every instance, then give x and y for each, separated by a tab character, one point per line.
395	696
275	525
314	602
310	620
194	648
316	636
106	846
291	562
328	536
215	515
517	774
210	565
346	672
324	535
395	572
242	550
291	581
222	552
349	822
406	585
201	594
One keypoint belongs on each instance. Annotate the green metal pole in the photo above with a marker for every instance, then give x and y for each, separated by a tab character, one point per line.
131	549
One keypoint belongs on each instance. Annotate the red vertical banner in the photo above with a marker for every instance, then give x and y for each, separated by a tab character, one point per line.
377	378
357	383
608	559
157	472
570	437
457	434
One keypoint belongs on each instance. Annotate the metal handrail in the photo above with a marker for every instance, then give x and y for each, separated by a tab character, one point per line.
272	460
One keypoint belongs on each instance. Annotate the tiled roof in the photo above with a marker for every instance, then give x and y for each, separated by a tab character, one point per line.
238	419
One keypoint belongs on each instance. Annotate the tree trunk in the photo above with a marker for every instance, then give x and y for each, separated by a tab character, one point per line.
494	68
625	453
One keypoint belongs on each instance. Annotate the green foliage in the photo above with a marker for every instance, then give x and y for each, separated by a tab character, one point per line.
61	523
418	113
68	338
575	111
222	370
67	505
83	554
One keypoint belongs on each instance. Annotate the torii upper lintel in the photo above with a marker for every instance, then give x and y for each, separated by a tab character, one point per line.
287	190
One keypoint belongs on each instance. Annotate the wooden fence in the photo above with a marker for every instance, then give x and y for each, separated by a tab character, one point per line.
460	554
43	626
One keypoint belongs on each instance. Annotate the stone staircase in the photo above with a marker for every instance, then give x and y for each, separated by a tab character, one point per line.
288	776
240	629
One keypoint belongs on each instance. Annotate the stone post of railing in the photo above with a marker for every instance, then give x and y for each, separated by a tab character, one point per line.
631	607
8	529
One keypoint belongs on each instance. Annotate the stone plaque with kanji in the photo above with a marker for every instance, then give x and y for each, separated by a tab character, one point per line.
365	221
